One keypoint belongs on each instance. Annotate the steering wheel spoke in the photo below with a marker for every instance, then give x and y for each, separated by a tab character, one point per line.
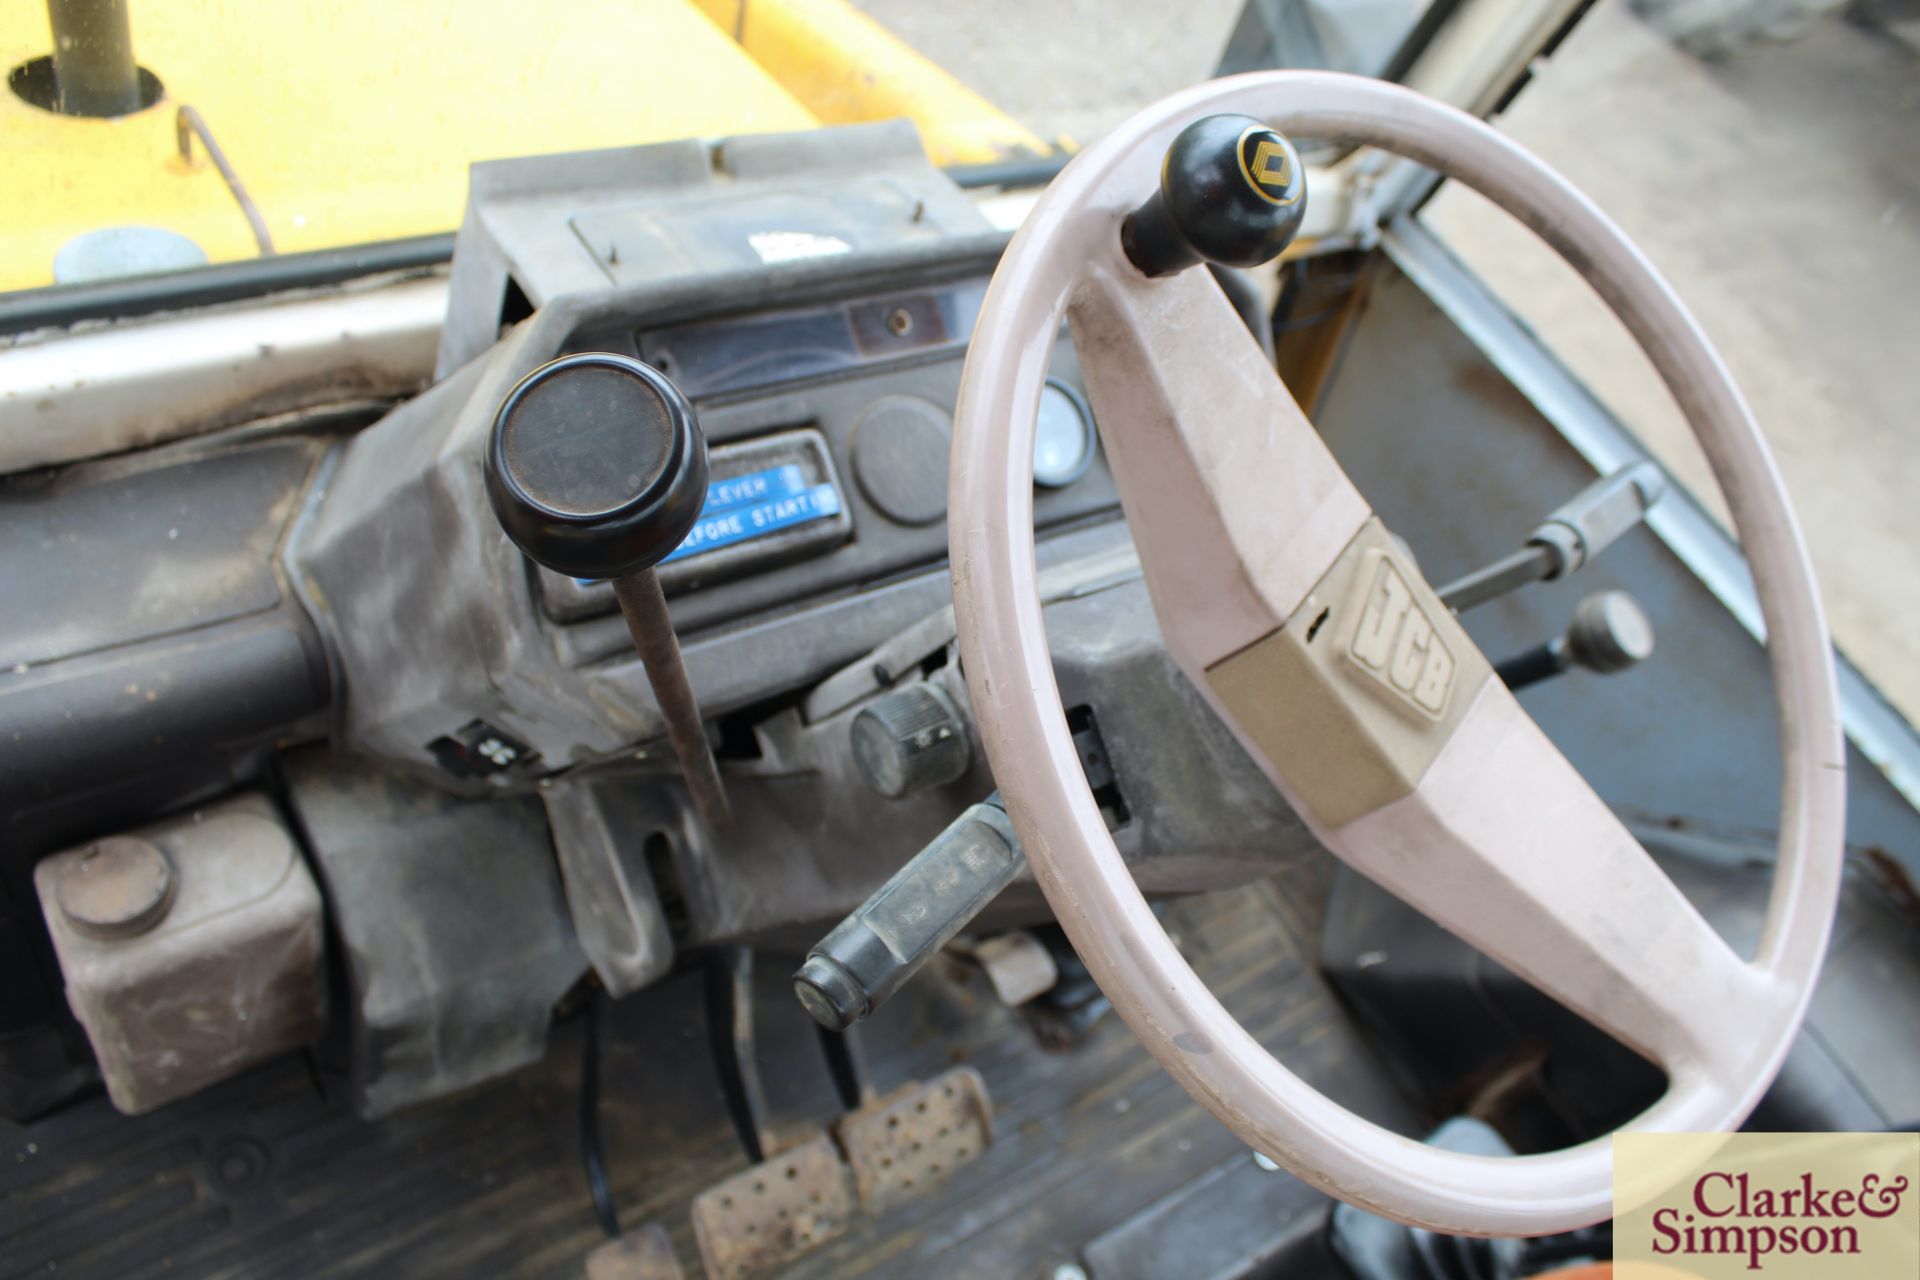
1236	505
1507	846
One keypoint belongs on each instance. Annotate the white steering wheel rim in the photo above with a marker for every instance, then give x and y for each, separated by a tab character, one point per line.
1009	672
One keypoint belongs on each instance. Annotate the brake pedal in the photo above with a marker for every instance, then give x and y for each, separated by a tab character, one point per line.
764	1218
912	1140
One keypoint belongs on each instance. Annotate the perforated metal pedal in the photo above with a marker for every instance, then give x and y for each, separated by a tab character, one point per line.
763	1219
766	1217
644	1253
912	1140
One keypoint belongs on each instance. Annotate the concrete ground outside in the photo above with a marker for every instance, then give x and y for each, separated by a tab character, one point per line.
1778	189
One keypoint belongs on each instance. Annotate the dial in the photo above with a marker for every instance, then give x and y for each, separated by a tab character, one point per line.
1063	438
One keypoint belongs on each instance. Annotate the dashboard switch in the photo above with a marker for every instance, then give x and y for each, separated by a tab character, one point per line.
1063	437
909	739
899	448
478	750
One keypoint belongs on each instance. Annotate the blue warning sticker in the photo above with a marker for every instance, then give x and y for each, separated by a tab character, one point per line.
755	486
719	528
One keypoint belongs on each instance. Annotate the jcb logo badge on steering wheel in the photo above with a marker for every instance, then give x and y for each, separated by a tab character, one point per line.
1267	165
1397	644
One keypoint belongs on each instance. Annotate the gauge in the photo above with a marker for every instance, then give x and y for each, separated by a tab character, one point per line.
1063	439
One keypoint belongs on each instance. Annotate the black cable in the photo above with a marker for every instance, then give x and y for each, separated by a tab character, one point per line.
590	1154
65	304
841	1065
722	970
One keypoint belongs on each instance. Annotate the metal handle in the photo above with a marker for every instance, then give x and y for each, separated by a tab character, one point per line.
853	970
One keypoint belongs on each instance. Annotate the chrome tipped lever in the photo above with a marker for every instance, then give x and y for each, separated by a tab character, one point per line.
1580	529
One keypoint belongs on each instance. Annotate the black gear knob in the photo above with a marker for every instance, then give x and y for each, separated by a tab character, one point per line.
596	467
1232	192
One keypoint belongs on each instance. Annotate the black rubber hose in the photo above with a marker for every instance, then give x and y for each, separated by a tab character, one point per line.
590	1153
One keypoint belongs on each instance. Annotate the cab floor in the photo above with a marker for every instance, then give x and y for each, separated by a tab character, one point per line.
264	1177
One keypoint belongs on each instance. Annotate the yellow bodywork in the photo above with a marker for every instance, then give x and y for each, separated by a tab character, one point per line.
353	121
846	67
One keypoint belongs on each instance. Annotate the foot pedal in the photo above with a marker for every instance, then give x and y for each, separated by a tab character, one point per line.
914	1138
644	1253
764	1218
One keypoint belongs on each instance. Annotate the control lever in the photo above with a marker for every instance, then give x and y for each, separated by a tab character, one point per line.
597	469
1609	633
1568	539
853	970
909	739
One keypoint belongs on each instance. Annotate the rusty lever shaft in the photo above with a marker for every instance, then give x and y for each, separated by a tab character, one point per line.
645	607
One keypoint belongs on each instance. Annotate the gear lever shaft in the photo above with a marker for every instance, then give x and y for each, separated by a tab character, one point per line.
597	469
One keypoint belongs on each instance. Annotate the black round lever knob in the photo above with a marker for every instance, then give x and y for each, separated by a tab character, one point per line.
596	467
1232	191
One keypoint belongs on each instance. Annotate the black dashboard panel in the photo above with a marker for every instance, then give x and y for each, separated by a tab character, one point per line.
197	610
741	354
837	401
126	549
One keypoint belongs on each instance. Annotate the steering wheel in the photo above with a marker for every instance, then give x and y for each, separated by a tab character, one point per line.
1312	633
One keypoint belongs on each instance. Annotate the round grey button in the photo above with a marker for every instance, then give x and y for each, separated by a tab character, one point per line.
900	449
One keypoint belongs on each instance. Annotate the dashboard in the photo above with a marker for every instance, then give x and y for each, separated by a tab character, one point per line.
824	531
